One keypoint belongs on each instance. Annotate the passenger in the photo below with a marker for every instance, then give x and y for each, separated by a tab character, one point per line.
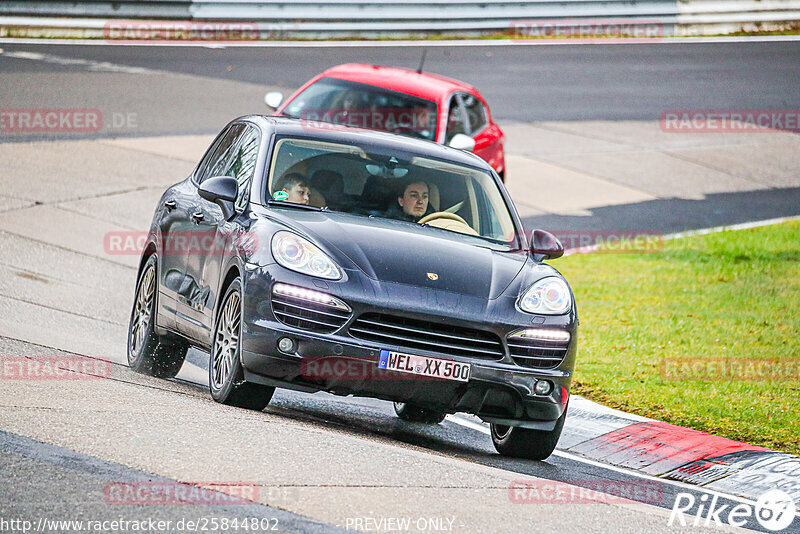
294	185
412	204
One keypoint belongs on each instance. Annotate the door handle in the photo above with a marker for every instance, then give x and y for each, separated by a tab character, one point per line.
171	204
198	216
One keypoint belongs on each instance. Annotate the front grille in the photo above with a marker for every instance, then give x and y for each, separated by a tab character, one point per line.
536	353
308	315
425	335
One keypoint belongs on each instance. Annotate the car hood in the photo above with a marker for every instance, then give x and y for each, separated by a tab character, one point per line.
404	253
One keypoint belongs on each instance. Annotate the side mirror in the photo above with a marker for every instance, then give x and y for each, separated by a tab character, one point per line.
462	142
222	191
273	99
545	246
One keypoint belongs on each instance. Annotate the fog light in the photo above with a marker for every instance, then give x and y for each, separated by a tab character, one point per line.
286	344
543	387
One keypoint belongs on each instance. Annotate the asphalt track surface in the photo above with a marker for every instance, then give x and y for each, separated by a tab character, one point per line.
618	82
521	83
44	480
197	90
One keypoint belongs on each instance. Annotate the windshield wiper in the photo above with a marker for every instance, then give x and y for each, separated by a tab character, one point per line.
283	204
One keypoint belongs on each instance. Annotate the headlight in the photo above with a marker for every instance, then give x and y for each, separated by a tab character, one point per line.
548	296
298	254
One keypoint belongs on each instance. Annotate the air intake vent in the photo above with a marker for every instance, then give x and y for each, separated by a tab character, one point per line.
536	353
429	336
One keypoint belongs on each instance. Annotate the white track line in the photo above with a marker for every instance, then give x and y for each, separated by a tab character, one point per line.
574	457
701	231
740	226
405	44
94	66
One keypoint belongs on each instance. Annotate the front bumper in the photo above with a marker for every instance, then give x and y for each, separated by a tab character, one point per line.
498	391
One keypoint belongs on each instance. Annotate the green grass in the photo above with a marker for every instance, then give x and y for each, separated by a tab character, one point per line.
793	30
729	295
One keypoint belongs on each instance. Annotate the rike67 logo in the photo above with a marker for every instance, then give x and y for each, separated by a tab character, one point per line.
775	510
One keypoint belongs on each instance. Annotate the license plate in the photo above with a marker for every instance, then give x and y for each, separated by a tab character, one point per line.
422	365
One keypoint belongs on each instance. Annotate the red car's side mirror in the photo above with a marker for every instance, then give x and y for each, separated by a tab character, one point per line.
545	246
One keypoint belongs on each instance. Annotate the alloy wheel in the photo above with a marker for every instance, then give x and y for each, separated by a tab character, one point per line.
143	311
227	340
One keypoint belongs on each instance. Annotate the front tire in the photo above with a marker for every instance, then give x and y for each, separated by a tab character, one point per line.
149	353
225	372
527	442
417	414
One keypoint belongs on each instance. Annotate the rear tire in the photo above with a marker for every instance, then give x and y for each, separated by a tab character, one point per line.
149	353
417	414
527	442
225	372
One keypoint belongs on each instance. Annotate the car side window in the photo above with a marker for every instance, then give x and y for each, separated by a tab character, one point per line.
208	157
215	159
455	119
225	156
235	155
476	113
243	163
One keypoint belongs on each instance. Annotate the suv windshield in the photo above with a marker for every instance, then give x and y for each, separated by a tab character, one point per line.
381	182
365	106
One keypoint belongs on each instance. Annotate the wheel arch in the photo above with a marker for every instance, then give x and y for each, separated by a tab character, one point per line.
231	274
233	271
149	250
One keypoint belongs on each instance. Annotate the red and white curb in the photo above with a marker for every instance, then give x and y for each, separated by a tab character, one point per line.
677	453
669	452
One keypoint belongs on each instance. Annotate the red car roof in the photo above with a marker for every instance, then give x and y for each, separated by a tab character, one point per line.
408	81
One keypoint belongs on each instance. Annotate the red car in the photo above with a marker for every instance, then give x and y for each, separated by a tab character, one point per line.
403	101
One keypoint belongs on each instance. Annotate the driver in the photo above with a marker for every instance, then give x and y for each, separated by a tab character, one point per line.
412	204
